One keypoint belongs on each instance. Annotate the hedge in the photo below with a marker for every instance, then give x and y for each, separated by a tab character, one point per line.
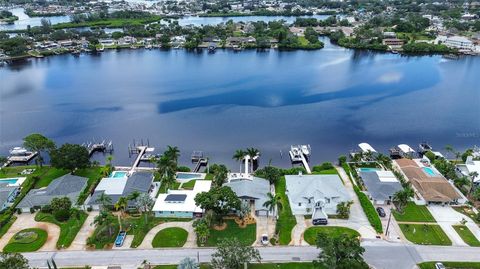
369	210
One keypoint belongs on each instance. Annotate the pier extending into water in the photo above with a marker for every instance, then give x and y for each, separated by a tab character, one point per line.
301	153
105	147
199	159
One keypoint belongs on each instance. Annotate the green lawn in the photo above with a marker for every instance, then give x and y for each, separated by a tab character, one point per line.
4	228
170	237
245	235
310	235
414	213
467	235
68	229
137	227
189	185
424	234
45	174
286	221
326	172
22	243
451	265
163	187
109	23
467	212
48	176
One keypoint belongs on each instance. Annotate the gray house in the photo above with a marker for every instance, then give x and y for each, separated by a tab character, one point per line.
65	186
316	195
381	185
253	191
7	195
121	187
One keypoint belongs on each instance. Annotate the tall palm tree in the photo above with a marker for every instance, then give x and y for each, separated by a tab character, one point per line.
220	175
173	153
449	149
239	156
252	152
166	168
104	200
122	204
472	176
144	204
188	263
401	198
272	202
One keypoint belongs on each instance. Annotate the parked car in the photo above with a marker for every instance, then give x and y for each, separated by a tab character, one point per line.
381	212
120	239
264	239
439	265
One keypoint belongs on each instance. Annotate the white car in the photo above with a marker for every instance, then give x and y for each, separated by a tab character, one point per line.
439	265
264	239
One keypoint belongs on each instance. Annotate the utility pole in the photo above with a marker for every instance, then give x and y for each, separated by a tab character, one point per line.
388	223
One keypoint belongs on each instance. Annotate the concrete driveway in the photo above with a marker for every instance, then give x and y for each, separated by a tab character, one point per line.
264	226
191	239
80	241
27	220
446	216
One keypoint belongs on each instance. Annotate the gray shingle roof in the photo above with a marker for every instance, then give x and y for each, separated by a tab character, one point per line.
381	191
68	185
5	192
257	189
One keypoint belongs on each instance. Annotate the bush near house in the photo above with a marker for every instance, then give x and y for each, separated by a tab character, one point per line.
286	221
369	210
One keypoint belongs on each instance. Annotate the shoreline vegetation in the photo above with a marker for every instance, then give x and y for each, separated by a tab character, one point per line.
7	17
266	13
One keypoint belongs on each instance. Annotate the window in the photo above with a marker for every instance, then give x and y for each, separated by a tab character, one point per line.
172	212
299	204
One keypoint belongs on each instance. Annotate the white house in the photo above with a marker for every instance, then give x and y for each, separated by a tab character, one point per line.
181	203
457	42
470	166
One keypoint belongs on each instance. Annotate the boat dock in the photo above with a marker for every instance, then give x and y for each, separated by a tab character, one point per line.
19	155
199	159
142	150
301	153
105	147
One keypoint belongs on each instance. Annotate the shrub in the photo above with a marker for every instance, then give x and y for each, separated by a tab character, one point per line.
183	169
369	210
324	166
32	210
46	209
342	159
62	215
89	209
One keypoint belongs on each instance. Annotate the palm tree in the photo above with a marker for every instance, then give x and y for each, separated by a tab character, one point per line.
107	169
144	204
166	168
272	202
104	200
244	211
105	219
122	204
252	152
472	176
401	198
239	156
188	263
220	175
202	230
172	153
449	148
461	182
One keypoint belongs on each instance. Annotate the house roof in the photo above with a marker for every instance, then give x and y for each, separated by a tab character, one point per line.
67	185
5	192
379	188
255	188
432	188
317	187
165	202
123	186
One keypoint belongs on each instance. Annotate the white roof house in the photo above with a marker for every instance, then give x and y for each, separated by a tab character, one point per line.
365	147
112	185
469	167
406	149
180	203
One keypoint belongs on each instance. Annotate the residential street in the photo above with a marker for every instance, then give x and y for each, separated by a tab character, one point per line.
379	254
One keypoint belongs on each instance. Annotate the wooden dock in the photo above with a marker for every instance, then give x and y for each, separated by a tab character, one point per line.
141	151
300	153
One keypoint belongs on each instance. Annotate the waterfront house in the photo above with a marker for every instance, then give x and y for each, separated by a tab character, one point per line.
430	185
393	43
456	42
251	190
116	187
468	167
127	40
380	185
107	42
311	194
239	41
65	186
181	203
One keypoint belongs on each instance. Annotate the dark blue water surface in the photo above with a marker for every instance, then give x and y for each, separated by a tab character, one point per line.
333	99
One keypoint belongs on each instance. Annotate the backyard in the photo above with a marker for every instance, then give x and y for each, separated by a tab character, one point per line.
27	240
170	237
467	235
311	234
425	234
286	221
245	235
68	229
414	213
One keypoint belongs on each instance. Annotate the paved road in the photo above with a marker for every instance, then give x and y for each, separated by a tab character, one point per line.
380	254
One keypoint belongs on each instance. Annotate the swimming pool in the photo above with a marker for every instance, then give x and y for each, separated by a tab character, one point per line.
429	171
118	174
182	175
368	169
13	181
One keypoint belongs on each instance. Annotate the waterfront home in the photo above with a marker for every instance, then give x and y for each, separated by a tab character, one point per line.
239	41
107	42
65	43
389	35
65	186
127	40
393	43
121	186
430	185
7	195
470	166
381	185
456	42
310	194
181	203
251	190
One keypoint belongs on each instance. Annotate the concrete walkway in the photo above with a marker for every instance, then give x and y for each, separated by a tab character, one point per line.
297	232
80	241
27	220
191	239
446	216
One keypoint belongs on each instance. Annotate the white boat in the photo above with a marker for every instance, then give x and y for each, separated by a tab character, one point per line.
18	151
305	149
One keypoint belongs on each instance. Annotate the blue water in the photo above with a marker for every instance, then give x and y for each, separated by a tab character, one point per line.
188	176
367	169
118	174
429	171
9	180
332	99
